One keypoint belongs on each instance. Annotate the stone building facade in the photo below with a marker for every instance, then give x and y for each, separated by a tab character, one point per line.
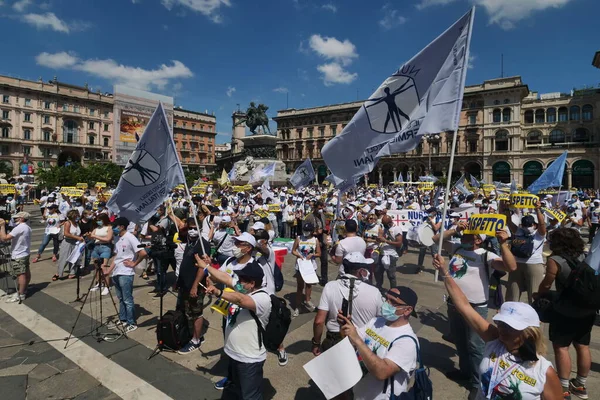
194	134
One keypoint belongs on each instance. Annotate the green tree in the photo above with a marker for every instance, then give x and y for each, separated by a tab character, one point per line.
6	169
74	174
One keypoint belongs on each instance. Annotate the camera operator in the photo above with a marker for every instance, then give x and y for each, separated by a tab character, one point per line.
160	228
366	302
222	234
128	255
189	299
20	237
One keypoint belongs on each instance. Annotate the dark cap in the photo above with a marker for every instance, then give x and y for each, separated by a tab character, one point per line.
252	270
308	226
351	226
407	295
470	197
431	210
53	206
121	221
527	221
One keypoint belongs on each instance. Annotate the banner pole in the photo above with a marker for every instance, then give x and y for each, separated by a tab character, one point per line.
446	196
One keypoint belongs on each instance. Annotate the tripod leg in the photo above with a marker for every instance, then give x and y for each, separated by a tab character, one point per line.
112	299
80	311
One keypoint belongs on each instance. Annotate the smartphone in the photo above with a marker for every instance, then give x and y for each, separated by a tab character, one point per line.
345	308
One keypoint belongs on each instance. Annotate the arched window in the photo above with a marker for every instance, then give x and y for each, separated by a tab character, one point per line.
575	113
497	115
563	114
529	117
557	136
581	135
587	112
506	115
534	137
551	115
27	134
501	142
105	142
539	117
91	139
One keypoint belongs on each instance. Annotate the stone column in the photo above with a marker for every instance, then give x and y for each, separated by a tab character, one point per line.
380	176
366	180
569	172
395	174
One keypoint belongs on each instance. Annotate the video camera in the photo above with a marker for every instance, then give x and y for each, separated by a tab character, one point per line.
159	247
7	216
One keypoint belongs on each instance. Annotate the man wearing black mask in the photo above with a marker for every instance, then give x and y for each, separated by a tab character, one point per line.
189	298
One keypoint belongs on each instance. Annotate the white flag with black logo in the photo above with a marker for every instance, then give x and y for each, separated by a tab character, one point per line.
151	172
304	175
423	97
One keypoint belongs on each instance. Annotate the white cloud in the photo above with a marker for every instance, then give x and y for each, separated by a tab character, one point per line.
470	63
230	91
428	3
391	18
334	73
56	60
110	70
209	8
21	5
45	21
332	49
330	7
281	90
507	13
303	74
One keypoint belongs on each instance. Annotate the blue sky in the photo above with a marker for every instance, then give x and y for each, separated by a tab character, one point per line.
214	54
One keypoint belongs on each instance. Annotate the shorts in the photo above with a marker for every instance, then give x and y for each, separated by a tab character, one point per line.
20	200
101	251
566	330
193	307
19	266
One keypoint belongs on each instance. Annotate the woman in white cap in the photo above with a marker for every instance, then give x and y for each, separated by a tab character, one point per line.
513	365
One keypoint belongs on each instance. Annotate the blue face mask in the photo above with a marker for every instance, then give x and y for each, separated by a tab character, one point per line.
157	215
239	288
99	223
116	231
388	312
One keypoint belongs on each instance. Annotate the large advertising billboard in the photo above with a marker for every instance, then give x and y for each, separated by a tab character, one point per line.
132	123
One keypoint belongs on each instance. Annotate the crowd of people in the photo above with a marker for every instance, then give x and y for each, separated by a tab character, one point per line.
221	243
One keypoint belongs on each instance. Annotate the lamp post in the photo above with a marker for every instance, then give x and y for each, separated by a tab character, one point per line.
429	139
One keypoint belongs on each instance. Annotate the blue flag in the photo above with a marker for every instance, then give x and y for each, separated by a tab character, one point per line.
151	172
552	176
474	182
304	175
232	175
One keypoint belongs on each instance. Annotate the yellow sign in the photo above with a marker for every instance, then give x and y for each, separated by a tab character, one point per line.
555	214
425	186
274	208
486	224
247	187
100	185
504	197
197	190
180	187
82	186
587	203
261	213
372	186
329	216
488	188
6	189
291	191
238	189
523	200
217	203
71	191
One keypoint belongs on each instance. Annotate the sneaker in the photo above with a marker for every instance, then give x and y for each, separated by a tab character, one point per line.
16	298
117	325
566	394
282	357
579	391
105	291
191	346
309	306
295	313
130	328
222	384
94	288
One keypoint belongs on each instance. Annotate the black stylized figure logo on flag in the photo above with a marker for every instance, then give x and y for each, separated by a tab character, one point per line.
395	99
142	169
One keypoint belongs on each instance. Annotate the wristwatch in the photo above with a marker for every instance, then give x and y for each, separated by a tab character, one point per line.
315	342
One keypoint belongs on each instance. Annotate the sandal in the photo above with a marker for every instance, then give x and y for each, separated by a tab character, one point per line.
55	277
71	277
54	258
144	275
36	259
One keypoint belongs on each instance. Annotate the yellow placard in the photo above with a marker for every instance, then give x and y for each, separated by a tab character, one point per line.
66	189
274	208
71	191
6	189
504	196
523	200
486	224
556	214
197	190
180	187
247	187
217	203
425	186
100	185
488	188
291	191
587	203
329	216
372	186
82	186
261	213
238	189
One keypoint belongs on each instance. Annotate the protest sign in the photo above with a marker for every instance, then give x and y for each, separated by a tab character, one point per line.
100	185
503	197
486	224
6	189
198	190
82	185
523	200
274	208
554	214
488	188
425	186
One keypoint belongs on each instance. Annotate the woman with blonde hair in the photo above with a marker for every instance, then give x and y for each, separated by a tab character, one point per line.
72	233
513	364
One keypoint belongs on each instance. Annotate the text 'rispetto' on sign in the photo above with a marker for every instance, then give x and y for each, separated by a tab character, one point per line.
523	200
486	224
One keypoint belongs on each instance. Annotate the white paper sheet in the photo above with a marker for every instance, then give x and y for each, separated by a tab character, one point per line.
307	270
336	370
76	254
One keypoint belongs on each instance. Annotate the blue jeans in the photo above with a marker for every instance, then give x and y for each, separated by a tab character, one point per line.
247	381
46	240
469	345
423	250
124	288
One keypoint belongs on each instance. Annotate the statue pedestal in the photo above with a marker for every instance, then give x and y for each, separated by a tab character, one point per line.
259	152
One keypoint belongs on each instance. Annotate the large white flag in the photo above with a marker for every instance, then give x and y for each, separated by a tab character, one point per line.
304	175
151	172
423	97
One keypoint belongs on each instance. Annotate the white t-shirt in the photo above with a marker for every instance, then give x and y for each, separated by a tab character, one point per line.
268	266
594	213
52	224
241	332
378	337
228	244
538	248
306	247
21	241
391	234
348	245
524	381
468	269
233	265
366	303
370	233
125	249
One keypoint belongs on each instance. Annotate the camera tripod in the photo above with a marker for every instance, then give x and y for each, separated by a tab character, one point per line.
95	332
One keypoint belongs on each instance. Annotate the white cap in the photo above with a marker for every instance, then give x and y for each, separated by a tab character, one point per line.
217	220
379	208
358	258
454	215
226	218
518	315
246	237
549	197
366	209
258	225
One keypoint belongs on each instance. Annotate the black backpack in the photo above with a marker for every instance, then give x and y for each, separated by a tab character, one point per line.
422	388
173	331
277	277
277	327
522	246
583	287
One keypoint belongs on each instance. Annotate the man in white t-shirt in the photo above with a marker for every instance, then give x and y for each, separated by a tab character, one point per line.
243	346
20	237
386	346
366	302
390	241
352	243
127	256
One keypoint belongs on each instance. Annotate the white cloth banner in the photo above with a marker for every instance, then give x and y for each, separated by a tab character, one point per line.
406	219
423	96
335	370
